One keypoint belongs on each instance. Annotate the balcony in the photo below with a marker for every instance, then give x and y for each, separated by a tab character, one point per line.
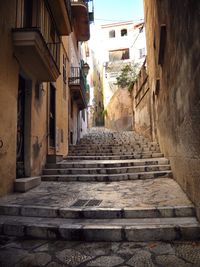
81	19
77	86
61	11
36	41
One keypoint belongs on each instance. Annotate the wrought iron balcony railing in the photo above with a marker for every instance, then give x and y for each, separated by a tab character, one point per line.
36	16
77	83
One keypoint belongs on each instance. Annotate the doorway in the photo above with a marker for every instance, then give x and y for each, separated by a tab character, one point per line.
20	171
52	121
154	122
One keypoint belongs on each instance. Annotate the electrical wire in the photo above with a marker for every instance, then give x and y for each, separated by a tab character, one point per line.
135	40
118	20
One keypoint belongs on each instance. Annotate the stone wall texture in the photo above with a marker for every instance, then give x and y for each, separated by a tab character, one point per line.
119	111
173	48
8	94
141	98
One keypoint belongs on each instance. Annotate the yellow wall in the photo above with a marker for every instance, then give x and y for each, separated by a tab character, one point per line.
119	111
36	108
8	96
62	108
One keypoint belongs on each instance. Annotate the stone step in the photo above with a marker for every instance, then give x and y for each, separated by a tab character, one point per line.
115	170
107	163
111	153
119	138
107	177
110	146
24	184
112	157
107	147
148	229
110	150
95	212
113	144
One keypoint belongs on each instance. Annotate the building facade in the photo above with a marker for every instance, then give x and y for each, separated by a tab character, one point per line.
36	41
124	43
114	46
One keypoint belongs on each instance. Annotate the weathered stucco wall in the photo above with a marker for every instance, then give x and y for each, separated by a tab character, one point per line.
8	95
119	111
38	132
73	122
177	103
62	100
36	106
142	116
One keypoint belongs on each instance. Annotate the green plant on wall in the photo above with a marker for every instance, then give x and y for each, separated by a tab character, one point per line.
127	76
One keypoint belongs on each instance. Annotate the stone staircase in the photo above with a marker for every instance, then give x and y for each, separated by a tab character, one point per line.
113	186
110	156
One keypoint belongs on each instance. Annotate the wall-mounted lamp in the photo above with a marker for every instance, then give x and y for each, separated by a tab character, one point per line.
86	68
39	90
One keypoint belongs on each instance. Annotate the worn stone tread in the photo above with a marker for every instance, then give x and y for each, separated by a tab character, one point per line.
106	177
107	163
103	229
108	170
119	156
96	212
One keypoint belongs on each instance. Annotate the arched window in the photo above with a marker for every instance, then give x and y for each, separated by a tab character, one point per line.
124	32
112	34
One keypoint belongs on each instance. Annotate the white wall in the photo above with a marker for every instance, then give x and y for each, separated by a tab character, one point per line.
134	41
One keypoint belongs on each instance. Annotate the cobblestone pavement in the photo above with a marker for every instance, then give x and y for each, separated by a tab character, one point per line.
27	253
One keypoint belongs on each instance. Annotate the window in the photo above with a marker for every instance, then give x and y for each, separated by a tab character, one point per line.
141	52
113	74
64	77
119	55
28	10
112	34
61	136
124	32
162	44
52	33
71	108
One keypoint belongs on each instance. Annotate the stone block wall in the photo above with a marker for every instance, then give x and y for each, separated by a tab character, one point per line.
119	111
173	49
142	104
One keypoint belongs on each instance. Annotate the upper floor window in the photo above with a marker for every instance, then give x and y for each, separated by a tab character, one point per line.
120	54
124	32
28	13
112	34
64	76
141	52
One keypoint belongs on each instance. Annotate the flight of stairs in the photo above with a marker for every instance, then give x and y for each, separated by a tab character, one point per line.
110	156
118	187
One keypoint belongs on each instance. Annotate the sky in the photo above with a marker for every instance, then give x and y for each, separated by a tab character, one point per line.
109	11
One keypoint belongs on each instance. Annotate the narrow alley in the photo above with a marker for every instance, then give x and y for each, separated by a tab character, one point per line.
99	133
